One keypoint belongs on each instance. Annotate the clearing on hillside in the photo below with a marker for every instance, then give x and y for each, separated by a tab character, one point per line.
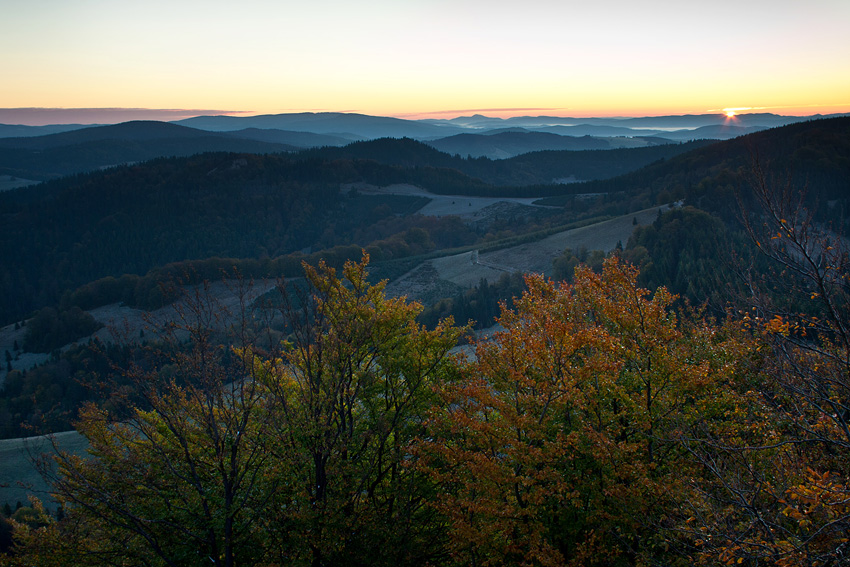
465	270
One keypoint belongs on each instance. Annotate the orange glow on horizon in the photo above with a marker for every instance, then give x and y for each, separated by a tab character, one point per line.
424	59
92	115
730	112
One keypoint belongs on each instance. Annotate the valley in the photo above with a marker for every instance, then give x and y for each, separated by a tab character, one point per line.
645	251
425	284
429	280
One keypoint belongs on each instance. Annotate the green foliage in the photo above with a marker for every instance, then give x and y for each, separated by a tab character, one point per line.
296	455
350	390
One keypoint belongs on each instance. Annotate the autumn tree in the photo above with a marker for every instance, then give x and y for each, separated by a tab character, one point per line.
350	390
248	450
562	445
183	481
796	508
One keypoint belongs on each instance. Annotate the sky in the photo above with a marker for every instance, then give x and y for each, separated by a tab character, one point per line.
168	59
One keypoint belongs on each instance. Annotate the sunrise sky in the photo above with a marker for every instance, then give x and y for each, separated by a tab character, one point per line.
421	58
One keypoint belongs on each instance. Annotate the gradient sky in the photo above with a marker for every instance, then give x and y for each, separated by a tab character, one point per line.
417	58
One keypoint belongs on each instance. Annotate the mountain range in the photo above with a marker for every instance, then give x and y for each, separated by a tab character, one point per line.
131	219
46	152
352	126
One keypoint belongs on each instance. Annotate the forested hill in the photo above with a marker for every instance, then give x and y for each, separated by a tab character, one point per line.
812	156
130	219
534	168
87	149
63	234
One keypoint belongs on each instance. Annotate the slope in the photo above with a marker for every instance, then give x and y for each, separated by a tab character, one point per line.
86	149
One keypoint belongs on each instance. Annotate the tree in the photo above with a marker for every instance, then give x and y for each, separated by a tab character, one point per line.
248	450
792	484
183	481
805	308
776	489
563	443
351	388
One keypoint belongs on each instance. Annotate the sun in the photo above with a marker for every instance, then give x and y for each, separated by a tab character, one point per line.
730	113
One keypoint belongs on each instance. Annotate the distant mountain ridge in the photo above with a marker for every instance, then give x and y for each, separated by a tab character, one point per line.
361	127
354	126
22	131
128	220
137	130
86	148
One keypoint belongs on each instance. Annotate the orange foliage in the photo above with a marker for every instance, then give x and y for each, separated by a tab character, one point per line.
562	445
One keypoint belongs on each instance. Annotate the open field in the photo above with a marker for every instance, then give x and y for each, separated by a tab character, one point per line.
18	475
9	336
125	324
467	269
430	280
8	182
538	256
468	208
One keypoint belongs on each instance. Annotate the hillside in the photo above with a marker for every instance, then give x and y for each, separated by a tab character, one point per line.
812	156
533	168
16	462
503	145
459	254
130	220
292	138
87	149
430	279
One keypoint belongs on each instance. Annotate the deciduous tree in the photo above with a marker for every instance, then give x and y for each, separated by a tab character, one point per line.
350	390
183	481
563	444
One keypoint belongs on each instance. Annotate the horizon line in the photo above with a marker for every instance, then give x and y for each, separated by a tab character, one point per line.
45	116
